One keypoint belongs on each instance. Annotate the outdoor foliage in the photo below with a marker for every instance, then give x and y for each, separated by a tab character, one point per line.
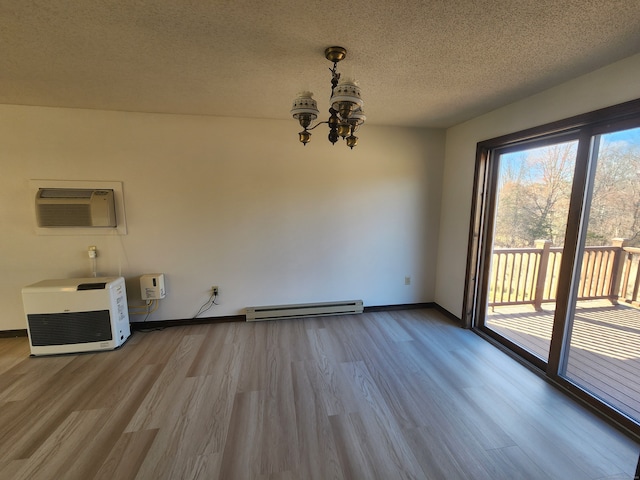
615	209
535	187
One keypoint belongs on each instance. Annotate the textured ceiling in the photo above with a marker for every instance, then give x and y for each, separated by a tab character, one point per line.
419	63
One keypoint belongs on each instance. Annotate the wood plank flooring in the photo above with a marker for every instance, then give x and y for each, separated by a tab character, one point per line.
386	395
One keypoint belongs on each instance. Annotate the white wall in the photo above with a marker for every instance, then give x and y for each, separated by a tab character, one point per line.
611	85
231	202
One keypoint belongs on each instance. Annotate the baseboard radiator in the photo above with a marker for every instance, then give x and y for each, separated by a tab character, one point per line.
303	310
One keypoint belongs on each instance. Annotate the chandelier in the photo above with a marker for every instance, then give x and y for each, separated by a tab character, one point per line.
346	113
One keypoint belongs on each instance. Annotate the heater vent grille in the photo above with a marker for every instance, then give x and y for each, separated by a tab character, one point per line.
302	310
69	328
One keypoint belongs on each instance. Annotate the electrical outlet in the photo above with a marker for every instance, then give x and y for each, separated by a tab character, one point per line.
407	280
92	251
214	290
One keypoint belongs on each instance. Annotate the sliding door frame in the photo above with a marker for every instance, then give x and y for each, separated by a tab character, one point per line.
583	128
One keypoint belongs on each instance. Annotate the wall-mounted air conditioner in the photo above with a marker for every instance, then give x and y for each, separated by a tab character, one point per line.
75	207
76	315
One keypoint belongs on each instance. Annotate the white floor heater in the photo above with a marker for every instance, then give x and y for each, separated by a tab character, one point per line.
76	315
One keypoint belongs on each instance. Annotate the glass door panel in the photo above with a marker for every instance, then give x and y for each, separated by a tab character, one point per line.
603	336
530	219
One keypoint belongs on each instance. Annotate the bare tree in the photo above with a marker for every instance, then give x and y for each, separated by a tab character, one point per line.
535	188
534	198
615	206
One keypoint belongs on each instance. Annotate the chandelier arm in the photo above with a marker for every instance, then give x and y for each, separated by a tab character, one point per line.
317	125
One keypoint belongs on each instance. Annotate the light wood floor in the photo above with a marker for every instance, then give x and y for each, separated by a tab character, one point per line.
388	395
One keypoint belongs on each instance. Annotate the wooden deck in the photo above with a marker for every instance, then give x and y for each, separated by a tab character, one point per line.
604	358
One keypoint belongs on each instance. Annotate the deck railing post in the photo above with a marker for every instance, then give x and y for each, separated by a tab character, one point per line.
544	246
617	269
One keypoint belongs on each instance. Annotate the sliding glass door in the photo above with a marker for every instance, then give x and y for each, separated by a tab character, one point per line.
553	270
603	328
530	221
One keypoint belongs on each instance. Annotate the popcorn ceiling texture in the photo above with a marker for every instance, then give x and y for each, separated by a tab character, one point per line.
419	63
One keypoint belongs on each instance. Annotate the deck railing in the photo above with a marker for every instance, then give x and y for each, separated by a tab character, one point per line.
530	275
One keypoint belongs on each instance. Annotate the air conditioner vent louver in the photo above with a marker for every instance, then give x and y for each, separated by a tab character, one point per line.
75	207
68	215
65	193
